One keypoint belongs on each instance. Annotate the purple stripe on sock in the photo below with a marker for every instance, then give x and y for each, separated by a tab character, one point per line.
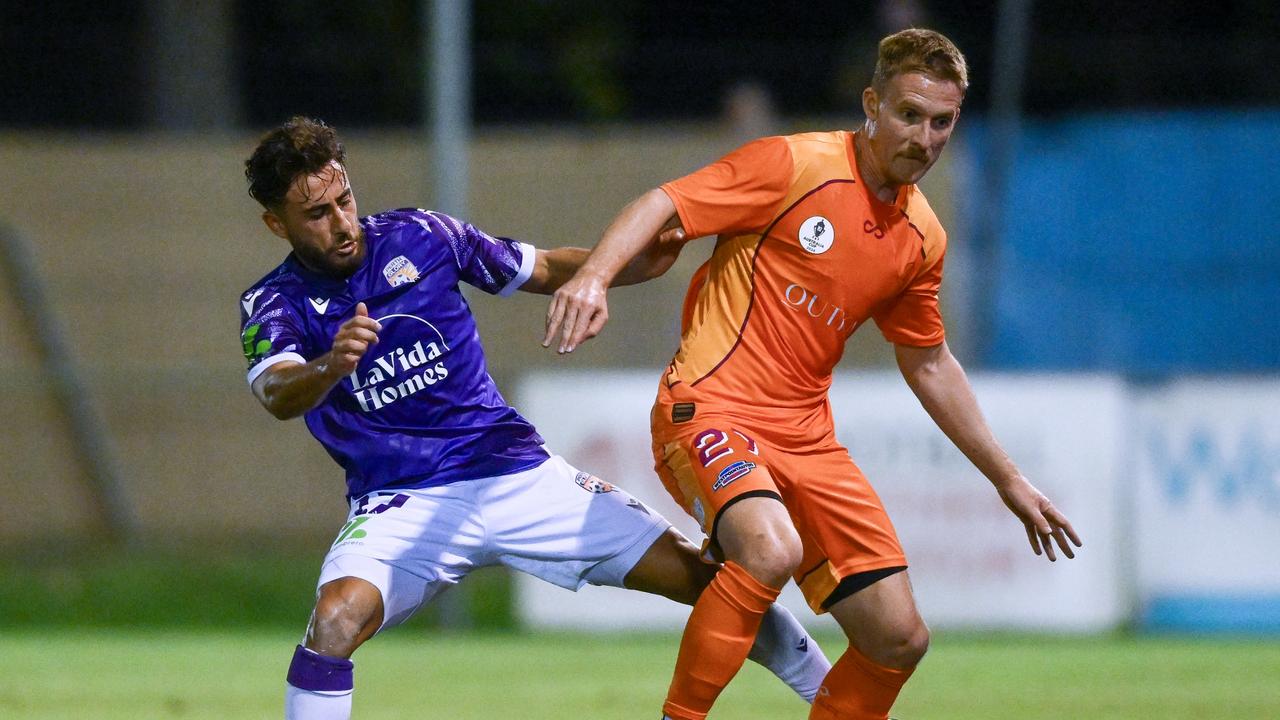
313	671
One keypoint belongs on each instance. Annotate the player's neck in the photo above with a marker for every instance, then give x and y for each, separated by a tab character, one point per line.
871	175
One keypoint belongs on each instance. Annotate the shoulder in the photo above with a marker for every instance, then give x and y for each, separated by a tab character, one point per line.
820	156
921	216
819	144
282	280
398	220
828	141
279	293
413	223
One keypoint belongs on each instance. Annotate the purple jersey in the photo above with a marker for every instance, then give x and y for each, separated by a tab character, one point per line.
420	409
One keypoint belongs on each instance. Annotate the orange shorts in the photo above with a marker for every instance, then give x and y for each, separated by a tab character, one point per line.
709	462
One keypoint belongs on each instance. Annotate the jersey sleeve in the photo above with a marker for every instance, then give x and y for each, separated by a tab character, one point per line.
498	266
270	331
740	192
913	317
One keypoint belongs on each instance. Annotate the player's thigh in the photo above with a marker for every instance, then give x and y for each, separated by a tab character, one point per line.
567	526
408	544
843	524
709	467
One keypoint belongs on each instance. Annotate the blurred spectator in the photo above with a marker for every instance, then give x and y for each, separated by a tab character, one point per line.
749	111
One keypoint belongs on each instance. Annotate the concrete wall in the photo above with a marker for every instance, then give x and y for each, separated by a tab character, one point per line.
145	244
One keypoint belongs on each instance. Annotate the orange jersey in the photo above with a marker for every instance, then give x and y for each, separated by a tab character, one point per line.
805	255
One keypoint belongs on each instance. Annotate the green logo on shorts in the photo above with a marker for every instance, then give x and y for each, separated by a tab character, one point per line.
351	531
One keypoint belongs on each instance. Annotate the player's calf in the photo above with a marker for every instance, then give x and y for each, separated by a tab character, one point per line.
672	568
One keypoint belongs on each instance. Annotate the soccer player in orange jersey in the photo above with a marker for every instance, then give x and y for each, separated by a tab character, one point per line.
816	234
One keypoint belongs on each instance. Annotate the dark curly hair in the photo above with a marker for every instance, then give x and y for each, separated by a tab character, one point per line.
300	146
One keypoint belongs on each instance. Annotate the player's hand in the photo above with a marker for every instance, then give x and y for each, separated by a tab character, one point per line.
578	312
1045	524
353	340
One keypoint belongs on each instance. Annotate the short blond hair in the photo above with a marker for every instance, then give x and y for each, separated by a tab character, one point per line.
922	51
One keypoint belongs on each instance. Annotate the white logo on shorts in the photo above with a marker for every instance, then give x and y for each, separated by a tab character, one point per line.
817	234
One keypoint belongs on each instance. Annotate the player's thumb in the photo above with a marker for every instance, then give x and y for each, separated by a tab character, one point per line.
362	310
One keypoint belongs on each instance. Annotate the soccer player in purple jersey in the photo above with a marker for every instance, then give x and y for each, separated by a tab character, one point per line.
363	331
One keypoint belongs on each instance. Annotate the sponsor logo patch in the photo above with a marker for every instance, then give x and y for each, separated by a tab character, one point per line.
591	483
403	371
732	472
817	234
400	271
800	299
351	531
254	349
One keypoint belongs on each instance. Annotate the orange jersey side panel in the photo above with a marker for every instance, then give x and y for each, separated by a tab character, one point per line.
805	255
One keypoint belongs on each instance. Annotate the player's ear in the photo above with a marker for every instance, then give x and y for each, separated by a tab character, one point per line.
275	224
870	103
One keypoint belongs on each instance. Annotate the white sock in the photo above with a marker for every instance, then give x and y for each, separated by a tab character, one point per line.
316	704
786	649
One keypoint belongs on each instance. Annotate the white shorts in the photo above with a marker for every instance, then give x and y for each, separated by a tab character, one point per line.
552	521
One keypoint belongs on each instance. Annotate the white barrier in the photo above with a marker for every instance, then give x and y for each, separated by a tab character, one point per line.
971	564
1207	504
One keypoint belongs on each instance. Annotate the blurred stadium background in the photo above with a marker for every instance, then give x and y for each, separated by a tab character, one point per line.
1112	287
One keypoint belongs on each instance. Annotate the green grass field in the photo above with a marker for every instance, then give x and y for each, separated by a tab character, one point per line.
67	674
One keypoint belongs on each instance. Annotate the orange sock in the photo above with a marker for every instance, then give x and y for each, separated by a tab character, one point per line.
858	689
716	640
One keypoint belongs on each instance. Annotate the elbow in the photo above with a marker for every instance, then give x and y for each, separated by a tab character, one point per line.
281	413
280	408
660	264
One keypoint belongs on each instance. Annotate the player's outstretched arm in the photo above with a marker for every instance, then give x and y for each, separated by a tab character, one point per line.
578	309
937	379
553	268
289	389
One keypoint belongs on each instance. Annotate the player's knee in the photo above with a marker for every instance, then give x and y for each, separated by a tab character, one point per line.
904	647
348	611
914	647
772	558
758	535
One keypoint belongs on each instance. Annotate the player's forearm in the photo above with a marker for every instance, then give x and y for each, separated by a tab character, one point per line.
291	389
628	237
944	391
555	267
